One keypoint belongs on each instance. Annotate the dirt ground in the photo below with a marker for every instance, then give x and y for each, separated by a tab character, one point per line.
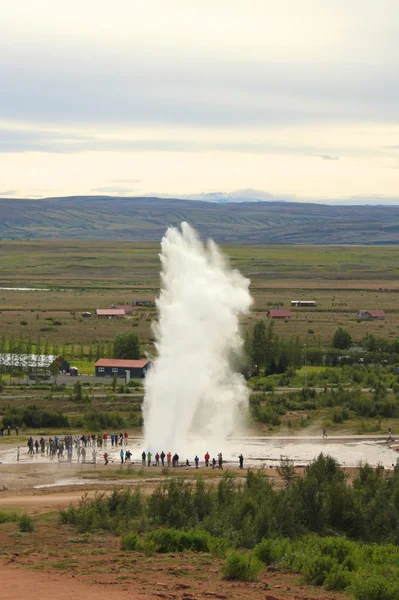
56	561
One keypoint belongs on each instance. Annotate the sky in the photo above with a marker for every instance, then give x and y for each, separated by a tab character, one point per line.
189	97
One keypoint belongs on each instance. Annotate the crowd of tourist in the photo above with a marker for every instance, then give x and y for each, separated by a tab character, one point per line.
87	447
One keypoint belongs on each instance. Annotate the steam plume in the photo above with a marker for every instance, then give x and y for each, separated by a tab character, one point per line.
193	398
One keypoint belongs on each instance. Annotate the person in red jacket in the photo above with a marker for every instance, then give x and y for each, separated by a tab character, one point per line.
126	435
106	457
207	457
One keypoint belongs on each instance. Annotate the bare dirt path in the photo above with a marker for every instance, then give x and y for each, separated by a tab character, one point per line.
17	584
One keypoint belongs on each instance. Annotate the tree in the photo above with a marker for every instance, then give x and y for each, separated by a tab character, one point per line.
258	346
342	338
127	345
54	370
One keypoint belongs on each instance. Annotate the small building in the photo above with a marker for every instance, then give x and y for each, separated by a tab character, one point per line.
309	303
371	314
29	363
110	313
279	314
115	367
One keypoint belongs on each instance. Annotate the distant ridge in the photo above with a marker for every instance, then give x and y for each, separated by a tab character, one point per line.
145	219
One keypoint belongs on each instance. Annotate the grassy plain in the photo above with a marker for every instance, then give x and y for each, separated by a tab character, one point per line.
83	276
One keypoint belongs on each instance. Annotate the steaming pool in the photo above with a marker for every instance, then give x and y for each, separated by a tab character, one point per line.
257	451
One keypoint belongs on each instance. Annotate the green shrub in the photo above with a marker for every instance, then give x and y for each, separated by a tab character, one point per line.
243	567
317	568
173	540
9	517
271	551
374	587
129	541
34	416
25	524
338	579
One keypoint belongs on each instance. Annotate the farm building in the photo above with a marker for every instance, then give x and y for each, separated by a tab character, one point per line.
299	303
110	313
29	363
111	367
279	314
371	314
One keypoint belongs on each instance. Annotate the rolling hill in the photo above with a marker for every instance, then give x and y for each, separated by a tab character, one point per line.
145	219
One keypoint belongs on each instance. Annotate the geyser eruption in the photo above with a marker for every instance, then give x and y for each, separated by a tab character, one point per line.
193	397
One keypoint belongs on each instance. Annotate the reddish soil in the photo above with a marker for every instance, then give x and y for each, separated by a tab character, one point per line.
56	561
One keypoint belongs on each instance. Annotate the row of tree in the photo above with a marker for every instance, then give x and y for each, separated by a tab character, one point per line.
16	353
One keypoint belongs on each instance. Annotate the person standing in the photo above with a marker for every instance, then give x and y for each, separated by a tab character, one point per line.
106	455
18	453
220	460
157	459
17	430
149	456
213	463
196	460
324	432
163	458
169	457
143	456
207	458
241	460
122	455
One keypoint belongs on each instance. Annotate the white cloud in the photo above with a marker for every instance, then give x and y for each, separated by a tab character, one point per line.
283	82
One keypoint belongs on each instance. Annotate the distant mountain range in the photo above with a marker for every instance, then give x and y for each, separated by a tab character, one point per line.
145	219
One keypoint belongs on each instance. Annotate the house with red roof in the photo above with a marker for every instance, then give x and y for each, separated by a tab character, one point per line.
110	313
371	314
275	313
115	367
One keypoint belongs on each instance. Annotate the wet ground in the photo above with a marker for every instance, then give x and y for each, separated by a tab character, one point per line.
257	451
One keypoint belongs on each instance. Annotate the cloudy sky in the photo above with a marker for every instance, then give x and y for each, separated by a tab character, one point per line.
128	97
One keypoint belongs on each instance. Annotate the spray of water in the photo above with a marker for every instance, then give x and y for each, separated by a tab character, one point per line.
193	397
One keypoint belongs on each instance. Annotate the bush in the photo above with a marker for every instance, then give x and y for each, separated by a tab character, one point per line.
172	540
33	416
25	524
9	517
243	567
271	551
338	579
129	541
376	587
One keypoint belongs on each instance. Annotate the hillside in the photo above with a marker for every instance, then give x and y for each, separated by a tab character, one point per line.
145	219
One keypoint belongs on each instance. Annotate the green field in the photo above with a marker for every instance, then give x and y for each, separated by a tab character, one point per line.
83	276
